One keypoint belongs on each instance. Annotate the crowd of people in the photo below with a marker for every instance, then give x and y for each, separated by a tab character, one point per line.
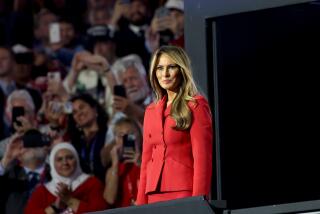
73	94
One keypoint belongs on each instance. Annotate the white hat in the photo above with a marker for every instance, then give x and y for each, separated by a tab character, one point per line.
19	49
175	4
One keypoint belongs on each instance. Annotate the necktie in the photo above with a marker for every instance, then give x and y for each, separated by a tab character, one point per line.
33	180
141	33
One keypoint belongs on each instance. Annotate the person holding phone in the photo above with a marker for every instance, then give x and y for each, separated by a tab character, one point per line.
122	177
86	70
130	21
167	26
177	133
22	168
63	41
20	113
131	74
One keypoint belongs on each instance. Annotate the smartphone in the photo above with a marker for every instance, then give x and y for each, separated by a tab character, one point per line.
119	90
54	76
17	112
128	145
54	33
67	107
56	106
129	141
162	12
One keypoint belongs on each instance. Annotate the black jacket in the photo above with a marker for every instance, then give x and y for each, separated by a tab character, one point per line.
15	191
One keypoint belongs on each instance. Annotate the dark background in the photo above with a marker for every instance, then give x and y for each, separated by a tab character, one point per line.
267	68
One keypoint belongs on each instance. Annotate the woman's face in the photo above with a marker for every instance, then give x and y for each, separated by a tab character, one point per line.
168	73
83	114
65	163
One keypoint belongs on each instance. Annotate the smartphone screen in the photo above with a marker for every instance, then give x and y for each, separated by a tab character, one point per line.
56	106
54	33
119	90
129	141
17	112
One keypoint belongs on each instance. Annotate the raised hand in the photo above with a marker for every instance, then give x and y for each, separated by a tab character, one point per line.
13	149
131	156
63	192
115	154
120	103
25	125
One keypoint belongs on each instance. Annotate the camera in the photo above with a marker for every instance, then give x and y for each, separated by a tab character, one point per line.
33	138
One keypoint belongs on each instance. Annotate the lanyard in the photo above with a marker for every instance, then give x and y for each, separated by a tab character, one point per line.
92	146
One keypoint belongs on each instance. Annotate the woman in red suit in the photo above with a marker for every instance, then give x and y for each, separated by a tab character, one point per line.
70	190
177	138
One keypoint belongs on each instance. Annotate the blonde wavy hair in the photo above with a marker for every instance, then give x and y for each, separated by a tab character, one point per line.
180	111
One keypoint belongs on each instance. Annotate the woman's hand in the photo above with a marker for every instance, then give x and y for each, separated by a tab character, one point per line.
78	61
131	156
97	63
161	23
54	112
120	103
115	154
152	39
63	192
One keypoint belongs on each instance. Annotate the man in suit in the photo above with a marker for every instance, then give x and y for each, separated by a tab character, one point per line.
21	169
130	35
10	63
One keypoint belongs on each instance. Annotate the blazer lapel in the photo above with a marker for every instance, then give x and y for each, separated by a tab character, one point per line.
160	110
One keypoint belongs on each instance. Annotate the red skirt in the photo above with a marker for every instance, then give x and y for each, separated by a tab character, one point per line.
165	196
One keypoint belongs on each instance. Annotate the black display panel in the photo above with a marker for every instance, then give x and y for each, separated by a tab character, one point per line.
267	66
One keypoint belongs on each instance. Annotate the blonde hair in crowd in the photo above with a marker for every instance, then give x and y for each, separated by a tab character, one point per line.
187	88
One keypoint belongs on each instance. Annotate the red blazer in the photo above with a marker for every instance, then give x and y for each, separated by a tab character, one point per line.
179	160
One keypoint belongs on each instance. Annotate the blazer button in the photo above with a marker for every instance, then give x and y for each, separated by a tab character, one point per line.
154	146
149	135
151	159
